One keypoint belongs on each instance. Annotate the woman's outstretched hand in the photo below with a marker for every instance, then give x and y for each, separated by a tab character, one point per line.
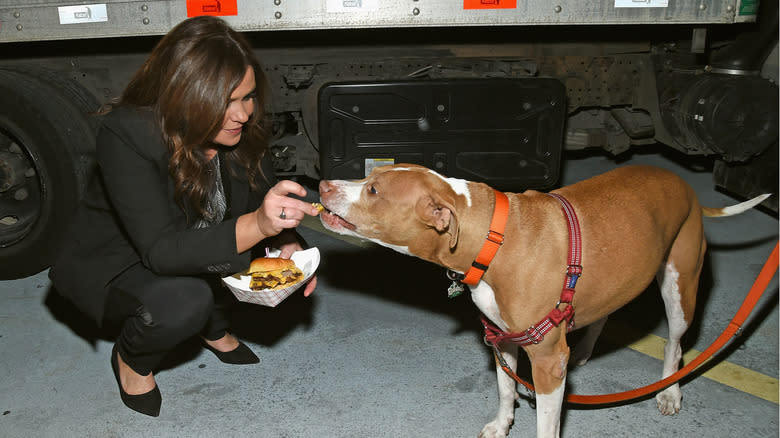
280	211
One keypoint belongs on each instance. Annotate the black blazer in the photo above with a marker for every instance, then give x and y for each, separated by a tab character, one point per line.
129	216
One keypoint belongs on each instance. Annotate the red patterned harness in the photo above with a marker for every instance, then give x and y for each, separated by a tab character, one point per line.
535	333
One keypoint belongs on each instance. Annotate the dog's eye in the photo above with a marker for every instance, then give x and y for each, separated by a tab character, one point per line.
372	190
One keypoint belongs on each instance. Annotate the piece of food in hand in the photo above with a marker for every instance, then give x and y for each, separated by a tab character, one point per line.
318	206
273	273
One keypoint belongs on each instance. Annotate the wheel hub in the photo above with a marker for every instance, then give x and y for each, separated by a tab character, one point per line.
12	170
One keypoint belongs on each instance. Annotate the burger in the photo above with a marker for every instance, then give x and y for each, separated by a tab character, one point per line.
273	273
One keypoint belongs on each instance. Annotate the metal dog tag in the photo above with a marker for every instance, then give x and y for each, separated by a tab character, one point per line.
455	289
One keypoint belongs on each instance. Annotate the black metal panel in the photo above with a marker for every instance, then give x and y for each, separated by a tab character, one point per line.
507	133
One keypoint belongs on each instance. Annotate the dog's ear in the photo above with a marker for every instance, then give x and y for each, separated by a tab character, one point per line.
439	215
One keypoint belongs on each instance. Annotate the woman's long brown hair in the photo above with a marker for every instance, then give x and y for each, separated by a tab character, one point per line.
187	81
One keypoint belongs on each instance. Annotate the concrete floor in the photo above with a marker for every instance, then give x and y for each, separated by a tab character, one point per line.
373	354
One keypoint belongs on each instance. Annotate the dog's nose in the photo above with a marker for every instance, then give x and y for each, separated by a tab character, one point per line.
325	186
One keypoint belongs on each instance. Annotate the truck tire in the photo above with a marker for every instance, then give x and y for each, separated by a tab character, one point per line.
47	141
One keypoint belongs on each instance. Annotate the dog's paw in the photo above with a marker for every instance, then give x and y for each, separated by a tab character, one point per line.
669	400
496	428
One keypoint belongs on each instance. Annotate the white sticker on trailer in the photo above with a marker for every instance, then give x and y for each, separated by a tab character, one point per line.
351	5
372	163
83	14
641	3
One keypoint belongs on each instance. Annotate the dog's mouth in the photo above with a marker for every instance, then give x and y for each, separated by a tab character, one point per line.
335	222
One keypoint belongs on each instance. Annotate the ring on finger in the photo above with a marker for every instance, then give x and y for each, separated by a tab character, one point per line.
282	215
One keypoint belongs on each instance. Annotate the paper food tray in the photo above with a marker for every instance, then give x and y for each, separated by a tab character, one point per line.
307	261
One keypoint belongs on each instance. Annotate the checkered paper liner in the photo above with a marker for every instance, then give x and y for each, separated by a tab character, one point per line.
307	260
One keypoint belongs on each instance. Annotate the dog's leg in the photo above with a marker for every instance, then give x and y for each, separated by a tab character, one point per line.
484	298
507	395
548	365
679	281
584	348
669	400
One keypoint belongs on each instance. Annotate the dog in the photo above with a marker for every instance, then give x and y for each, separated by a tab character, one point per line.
637	224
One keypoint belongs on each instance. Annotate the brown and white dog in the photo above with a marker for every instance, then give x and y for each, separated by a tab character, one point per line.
638	223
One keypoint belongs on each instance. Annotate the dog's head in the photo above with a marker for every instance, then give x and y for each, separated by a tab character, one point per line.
401	206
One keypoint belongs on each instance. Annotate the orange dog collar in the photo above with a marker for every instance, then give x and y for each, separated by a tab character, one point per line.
493	240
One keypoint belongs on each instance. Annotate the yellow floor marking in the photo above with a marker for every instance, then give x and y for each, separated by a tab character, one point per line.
726	373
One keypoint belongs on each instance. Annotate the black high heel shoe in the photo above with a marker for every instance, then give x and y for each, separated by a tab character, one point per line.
147	403
241	355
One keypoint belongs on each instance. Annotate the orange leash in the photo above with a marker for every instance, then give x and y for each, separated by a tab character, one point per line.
759	286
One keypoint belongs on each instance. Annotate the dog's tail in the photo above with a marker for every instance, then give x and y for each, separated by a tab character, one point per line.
734	209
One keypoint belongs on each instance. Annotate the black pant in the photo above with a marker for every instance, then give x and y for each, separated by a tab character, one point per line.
157	313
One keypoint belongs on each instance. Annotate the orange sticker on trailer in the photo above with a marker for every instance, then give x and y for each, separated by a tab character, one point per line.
489	4
212	7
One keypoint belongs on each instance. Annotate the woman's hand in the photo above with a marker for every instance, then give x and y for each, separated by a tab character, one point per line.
266	221
310	286
280	211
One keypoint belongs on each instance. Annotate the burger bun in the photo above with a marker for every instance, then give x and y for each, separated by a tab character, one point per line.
264	264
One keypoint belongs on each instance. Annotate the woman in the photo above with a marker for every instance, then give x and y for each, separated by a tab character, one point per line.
185	191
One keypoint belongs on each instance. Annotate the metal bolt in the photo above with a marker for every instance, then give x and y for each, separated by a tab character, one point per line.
557	9
277	2
702	7
18	27
146	21
17	14
730	8
416	11
144	8
21	194
278	15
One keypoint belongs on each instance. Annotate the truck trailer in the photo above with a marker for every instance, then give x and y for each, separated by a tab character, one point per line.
499	91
